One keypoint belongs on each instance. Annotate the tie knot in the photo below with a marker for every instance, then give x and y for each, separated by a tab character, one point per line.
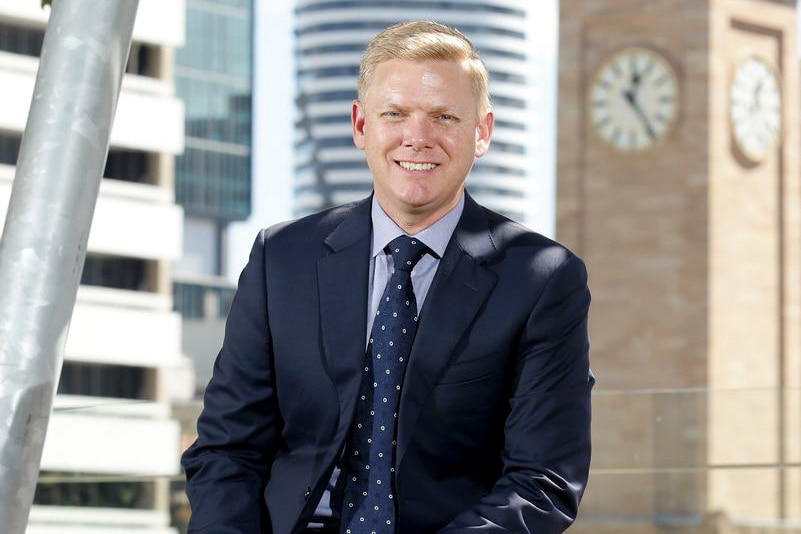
406	252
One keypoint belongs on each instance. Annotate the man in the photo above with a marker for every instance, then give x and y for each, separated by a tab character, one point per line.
410	363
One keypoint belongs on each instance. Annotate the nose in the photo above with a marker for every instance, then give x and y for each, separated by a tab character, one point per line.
417	133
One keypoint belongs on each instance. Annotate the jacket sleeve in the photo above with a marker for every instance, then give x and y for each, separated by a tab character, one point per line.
546	454
228	466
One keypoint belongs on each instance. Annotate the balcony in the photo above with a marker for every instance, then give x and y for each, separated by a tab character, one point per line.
157	22
138	328
120	445
157	234
148	116
80	520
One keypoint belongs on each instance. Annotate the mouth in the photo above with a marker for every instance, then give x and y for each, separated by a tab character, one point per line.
412	166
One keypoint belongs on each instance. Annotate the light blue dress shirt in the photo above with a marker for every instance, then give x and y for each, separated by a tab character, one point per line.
435	237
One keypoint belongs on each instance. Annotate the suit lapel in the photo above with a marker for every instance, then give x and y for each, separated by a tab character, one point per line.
458	291
342	285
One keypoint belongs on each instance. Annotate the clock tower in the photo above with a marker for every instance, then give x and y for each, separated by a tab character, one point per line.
679	184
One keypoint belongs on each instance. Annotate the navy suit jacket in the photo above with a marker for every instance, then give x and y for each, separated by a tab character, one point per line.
494	420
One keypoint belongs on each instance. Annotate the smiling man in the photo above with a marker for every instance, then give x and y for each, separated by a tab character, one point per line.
410	363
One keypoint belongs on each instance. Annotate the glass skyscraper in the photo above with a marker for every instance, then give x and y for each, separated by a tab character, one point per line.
330	37
214	77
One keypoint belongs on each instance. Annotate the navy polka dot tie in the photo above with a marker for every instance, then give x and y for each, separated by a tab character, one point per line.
368	505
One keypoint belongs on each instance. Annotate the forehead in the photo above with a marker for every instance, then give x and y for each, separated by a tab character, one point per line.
440	81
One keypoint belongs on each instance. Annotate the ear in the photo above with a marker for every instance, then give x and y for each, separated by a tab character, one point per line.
357	119
484	133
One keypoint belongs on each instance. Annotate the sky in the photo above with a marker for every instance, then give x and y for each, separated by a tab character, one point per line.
273	114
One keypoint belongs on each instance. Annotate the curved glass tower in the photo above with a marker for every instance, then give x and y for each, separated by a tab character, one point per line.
330	37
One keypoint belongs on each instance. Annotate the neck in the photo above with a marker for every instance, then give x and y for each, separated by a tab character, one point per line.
414	221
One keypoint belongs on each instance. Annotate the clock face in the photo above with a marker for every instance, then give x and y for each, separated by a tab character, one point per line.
755	108
634	99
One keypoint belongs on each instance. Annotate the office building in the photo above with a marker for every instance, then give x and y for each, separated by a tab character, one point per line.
111	444
213	75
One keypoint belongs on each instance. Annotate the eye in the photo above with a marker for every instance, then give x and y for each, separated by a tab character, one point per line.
447	118
391	114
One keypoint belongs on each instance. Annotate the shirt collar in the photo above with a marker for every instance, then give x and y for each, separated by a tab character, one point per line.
435	237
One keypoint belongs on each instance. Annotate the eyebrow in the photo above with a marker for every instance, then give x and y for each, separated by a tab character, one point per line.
444	108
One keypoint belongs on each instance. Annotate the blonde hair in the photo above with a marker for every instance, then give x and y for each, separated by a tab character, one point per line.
425	40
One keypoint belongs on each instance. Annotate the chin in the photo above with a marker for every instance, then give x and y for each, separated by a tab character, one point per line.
415	198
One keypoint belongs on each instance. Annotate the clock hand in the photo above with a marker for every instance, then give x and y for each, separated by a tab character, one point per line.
635	80
631	98
755	100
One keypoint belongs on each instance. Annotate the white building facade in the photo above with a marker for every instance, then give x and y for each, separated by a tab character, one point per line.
112	444
330	37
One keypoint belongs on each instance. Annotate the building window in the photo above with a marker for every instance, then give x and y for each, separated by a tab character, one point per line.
102	380
378	25
213	183
202	301
507	77
517	103
508	148
115	272
327	96
216	110
9	148
510	125
128	165
486	168
466	7
340	71
143	60
71	489
21	40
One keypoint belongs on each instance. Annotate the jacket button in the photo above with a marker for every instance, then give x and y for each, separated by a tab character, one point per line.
308	492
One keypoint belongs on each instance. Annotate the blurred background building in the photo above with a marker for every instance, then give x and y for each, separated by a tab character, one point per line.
213	76
330	38
111	442
679	184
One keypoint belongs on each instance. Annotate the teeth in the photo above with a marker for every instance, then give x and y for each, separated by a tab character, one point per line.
409	166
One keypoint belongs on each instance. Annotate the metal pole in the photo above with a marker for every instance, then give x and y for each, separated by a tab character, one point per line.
43	247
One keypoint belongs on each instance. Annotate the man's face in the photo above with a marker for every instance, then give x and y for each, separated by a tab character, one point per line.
420	130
